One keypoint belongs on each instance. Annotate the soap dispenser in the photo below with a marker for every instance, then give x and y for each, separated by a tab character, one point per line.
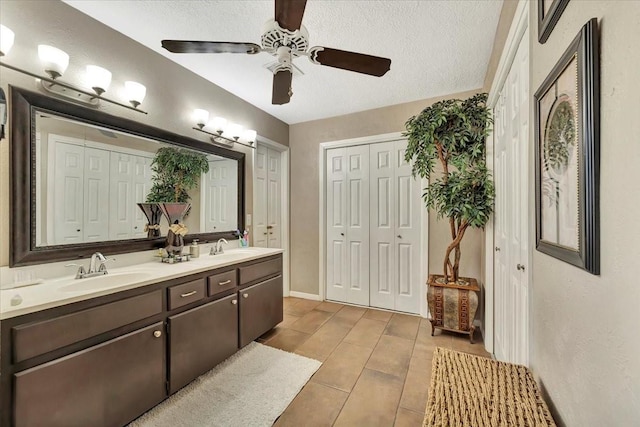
194	249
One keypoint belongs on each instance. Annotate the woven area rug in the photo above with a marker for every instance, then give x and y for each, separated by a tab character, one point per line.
251	388
468	390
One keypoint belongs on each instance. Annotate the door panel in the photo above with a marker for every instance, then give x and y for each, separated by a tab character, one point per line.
274	215
120	196
68	203
511	215
260	213
200	339
96	193
141	188
260	309
106	385
337	262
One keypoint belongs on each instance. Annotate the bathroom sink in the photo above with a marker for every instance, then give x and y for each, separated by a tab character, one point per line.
105	282
243	251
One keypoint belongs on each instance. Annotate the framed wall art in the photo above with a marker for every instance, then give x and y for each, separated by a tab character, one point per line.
567	133
549	12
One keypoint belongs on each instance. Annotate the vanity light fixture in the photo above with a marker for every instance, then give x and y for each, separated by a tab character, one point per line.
6	40
55	63
98	78
224	135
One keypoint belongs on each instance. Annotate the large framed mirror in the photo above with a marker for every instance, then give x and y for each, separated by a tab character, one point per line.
77	176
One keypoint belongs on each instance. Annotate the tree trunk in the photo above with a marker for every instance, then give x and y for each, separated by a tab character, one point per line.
451	270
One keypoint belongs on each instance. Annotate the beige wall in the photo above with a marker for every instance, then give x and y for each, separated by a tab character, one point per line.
304	141
584	349
502	31
172	91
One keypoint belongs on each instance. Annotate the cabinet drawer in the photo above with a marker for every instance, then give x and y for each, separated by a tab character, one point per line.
222	282
260	270
186	293
41	337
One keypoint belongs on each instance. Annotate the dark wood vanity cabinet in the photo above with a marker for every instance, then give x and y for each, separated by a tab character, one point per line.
260	309
107	360
108	384
200	339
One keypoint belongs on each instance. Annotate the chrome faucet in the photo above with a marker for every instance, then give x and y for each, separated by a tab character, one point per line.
97	266
217	248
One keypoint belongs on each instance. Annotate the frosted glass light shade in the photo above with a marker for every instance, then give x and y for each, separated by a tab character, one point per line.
135	92
6	40
98	78
234	131
250	136
54	60
219	124
201	117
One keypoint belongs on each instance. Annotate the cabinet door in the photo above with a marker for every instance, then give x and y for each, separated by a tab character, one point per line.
106	385
201	338
260	309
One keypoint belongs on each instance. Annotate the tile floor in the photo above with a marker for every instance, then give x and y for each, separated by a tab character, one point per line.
376	364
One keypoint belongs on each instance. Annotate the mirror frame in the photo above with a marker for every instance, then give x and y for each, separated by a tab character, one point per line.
23	249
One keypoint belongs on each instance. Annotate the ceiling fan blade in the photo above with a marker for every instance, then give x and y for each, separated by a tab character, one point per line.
281	88
351	61
289	13
186	46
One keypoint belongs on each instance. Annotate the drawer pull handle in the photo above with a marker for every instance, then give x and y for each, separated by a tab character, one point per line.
245	295
188	294
157	334
234	301
226	282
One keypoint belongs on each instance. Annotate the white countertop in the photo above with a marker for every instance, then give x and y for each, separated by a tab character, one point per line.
59	291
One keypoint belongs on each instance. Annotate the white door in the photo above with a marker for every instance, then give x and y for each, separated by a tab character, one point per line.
96	194
121	196
221	196
274	217
511	216
337	258
141	187
395	229
267	211
68	204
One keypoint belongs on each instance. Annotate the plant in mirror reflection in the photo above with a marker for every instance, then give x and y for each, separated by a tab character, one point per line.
175	172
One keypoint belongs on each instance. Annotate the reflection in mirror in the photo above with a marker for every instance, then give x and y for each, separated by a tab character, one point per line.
89	181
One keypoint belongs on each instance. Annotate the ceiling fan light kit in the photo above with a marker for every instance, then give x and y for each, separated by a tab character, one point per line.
286	39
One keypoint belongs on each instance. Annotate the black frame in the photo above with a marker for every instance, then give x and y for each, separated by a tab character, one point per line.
548	22
23	249
586	47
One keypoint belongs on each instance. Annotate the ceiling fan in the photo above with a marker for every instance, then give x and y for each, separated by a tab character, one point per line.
286	38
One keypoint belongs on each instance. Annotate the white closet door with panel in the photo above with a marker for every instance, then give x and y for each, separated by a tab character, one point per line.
96	193
141	187
511	139
220	205
68	201
337	257
267	209
395	229
120	196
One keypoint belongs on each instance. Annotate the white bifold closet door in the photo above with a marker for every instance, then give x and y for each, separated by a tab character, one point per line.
348	224
267	215
373	227
395	229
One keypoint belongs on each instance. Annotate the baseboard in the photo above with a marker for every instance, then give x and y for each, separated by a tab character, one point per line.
304	295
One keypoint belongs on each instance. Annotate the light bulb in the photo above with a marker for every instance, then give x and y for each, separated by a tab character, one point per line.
201	117
250	136
219	125
98	78
54	60
6	40
234	131
135	92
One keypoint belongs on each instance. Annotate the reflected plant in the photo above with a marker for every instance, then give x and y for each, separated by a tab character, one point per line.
175	172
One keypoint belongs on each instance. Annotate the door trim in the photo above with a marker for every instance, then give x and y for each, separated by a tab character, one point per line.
285	199
519	26
424	212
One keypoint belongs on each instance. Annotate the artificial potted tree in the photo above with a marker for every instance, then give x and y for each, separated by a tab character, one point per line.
446	144
176	171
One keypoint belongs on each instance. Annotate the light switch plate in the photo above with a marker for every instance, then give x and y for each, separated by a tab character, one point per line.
248	220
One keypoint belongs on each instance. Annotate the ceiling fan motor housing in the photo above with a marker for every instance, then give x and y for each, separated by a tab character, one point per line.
274	37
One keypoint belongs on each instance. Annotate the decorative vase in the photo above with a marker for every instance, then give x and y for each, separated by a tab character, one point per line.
154	214
174	212
452	306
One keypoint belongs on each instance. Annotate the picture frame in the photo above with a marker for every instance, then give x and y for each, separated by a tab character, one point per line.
567	171
549	12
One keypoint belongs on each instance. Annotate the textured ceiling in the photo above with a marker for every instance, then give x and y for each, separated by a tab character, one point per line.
436	47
